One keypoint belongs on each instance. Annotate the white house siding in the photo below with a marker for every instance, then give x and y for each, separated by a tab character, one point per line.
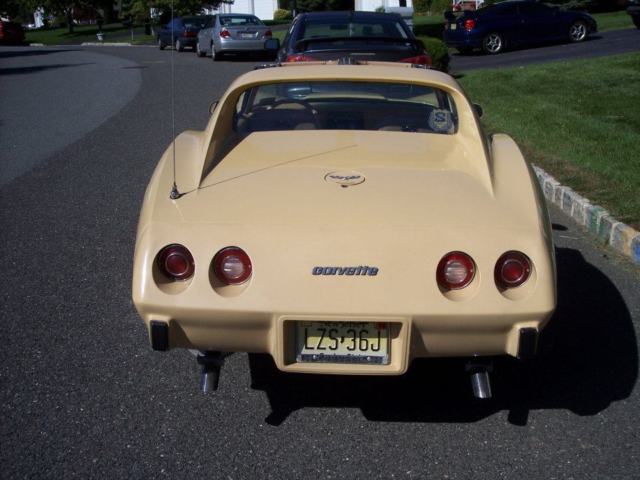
262	9
371	5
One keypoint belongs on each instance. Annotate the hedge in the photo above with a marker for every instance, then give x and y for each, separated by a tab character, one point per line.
438	51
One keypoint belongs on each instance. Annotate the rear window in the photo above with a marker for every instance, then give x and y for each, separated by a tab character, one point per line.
195	22
318	105
239	21
346	28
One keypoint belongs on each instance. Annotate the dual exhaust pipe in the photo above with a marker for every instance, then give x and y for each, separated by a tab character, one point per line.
211	364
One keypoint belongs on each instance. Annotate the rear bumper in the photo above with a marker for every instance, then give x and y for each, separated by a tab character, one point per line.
418	336
232	45
462	40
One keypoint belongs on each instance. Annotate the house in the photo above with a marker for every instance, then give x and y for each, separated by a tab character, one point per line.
264	9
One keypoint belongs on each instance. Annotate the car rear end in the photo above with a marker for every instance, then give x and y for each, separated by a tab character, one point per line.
11	33
240	33
463	31
382	241
358	35
192	25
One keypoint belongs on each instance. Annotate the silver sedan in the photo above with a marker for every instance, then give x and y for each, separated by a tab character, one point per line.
232	33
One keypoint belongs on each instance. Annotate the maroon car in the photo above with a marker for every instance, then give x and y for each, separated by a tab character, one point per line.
11	33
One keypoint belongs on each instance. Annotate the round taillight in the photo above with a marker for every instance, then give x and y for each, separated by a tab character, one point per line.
456	270
176	262
232	266
512	269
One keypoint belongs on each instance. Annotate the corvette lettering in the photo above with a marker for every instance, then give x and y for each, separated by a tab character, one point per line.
350	271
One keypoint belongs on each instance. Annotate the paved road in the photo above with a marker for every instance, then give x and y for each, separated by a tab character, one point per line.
43	88
82	395
601	44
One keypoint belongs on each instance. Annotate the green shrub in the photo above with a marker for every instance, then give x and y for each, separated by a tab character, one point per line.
438	7
438	51
421	6
429	30
282	14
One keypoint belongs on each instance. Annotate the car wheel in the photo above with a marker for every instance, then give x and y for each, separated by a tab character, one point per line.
493	43
179	46
161	44
199	52
215	55
578	31
636	20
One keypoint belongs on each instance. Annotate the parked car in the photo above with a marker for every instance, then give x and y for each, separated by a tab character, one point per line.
232	33
182	32
357	35
513	23
11	33
633	9
345	219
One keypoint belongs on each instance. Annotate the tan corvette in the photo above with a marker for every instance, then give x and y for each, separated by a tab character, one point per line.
345	219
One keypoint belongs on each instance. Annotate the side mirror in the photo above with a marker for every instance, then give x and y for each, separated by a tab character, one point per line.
212	107
272	44
479	110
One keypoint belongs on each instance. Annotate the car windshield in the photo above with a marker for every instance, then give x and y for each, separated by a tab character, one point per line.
239	21
197	22
334	105
348	28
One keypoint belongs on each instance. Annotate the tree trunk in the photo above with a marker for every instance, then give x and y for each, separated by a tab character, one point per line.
69	15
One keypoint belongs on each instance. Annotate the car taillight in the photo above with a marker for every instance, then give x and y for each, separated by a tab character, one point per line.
224	33
232	266
422	59
189	34
268	33
456	270
469	24
299	57
176	262
512	269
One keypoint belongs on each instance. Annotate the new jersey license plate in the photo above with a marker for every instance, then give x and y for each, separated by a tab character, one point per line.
342	342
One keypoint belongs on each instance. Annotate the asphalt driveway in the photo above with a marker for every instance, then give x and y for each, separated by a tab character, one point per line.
82	395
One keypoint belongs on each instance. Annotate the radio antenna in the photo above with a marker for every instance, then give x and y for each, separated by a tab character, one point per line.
175	194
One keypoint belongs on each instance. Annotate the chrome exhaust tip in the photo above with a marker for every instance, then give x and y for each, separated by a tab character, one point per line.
481	384
211	363
480	381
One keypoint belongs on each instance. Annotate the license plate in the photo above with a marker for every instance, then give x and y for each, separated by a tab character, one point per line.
247	35
342	342
453	26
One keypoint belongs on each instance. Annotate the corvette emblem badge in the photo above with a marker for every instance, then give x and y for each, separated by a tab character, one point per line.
345	178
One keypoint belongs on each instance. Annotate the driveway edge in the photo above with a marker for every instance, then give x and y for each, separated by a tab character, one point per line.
595	219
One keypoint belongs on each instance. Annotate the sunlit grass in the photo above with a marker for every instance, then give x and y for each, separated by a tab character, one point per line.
579	120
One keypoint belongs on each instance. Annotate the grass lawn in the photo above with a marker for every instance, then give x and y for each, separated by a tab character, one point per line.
113	32
578	120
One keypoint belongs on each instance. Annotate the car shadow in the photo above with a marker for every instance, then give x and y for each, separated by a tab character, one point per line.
32	52
588	358
38	68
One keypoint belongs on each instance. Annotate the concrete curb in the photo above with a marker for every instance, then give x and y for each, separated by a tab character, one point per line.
594	218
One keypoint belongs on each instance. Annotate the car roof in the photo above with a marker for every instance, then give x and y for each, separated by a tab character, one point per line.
331	71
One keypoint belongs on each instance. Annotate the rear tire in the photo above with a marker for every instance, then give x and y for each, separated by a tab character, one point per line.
493	43
636	20
179	46
215	56
199	52
578	31
161	44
